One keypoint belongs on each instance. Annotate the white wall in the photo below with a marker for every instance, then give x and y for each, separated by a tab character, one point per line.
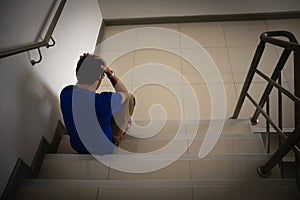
29	103
115	9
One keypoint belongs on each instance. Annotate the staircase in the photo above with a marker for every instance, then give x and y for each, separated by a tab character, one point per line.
228	172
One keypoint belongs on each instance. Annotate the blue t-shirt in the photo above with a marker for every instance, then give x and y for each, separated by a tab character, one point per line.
87	117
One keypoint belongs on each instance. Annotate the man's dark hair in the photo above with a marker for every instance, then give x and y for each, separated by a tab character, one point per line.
88	69
80	61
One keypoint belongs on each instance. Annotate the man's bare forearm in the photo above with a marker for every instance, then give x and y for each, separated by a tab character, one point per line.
117	83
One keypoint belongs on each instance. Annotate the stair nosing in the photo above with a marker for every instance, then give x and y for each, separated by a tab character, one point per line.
192	157
200	121
162	182
188	136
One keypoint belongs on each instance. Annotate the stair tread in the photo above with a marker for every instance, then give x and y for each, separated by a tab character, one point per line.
251	144
170	128
158	189
166	156
188	166
168	183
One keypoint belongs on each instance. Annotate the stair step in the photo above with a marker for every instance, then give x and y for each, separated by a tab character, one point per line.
171	127
188	166
224	145
250	144
236	137
245	143
159	189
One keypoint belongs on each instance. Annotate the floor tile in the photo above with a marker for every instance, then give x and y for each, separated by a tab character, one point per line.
220	57
124	40
177	170
156	73
204	101
158	56
147	193
230	146
157	102
202	66
57	193
190	73
244	33
289	69
234	127
224	193
156	37
231	169
247	193
157	66
54	168
241	58
95	170
173	26
141	137
291	25
150	145
155	129
113	30
73	169
207	34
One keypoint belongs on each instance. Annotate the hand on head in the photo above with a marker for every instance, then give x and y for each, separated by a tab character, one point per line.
84	55
98	57
104	66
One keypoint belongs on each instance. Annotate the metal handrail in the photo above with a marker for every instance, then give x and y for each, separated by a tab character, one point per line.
279	87
266	38
45	42
291	45
291	141
267	117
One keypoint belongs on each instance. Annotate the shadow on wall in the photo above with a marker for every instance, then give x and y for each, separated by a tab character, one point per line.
28	111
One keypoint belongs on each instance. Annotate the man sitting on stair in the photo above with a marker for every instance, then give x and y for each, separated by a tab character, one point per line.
95	121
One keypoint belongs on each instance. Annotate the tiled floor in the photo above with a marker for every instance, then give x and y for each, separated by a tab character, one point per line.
231	45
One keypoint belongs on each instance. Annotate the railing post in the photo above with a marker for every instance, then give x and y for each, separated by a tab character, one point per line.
265	170
297	156
283	58
257	56
297	109
268	125
297	85
280	119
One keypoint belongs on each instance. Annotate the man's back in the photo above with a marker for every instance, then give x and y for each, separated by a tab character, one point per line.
87	117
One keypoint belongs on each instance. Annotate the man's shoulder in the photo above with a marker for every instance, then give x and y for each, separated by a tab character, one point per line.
66	90
68	87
